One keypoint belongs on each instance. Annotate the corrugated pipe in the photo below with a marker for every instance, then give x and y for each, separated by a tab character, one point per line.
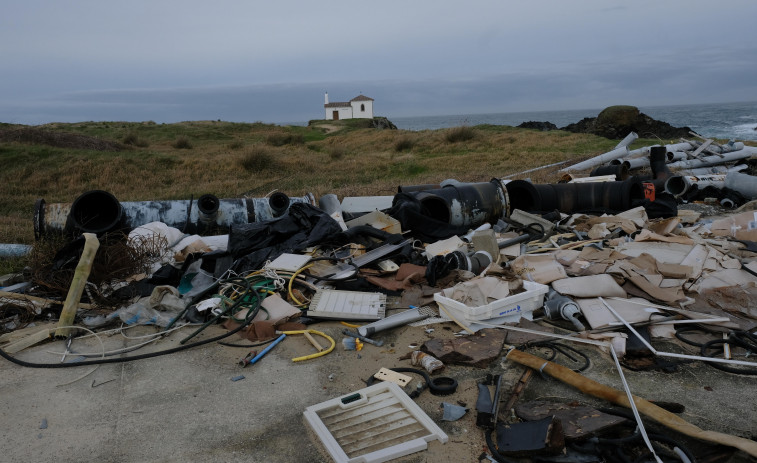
466	204
574	197
99	212
679	185
745	185
620	171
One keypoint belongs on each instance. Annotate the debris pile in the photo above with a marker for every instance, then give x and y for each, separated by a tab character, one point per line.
494	275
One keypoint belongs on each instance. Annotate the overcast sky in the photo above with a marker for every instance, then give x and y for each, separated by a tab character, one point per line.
272	61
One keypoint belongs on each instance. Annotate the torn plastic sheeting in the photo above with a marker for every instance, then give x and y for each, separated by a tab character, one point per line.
255	243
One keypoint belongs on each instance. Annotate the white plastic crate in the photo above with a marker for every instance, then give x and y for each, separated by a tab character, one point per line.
528	301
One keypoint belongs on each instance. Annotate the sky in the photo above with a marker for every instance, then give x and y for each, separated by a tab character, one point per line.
272	61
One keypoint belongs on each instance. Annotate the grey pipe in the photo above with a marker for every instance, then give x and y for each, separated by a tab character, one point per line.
182	214
398	319
14	250
745	185
678	185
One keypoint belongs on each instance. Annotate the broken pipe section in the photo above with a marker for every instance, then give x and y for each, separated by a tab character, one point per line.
99	212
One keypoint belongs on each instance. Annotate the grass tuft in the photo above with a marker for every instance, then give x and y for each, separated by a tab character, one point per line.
281	139
461	133
182	143
257	159
404	144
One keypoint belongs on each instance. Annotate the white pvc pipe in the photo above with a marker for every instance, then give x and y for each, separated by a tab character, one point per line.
617	153
715	160
630	138
680	184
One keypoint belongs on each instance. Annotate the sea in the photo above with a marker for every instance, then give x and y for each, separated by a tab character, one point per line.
736	121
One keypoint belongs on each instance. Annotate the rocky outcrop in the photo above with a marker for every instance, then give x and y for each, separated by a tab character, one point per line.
616	122
543	126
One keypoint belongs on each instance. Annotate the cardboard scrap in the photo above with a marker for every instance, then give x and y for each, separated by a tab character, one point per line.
477	350
541	268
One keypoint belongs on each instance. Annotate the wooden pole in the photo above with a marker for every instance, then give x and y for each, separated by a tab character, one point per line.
91	244
618	397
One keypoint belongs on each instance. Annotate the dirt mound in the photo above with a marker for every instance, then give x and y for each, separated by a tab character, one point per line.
58	139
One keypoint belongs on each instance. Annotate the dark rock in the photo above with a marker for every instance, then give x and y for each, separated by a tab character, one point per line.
616	122
543	126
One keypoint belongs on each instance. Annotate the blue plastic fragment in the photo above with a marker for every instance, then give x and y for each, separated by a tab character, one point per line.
237	378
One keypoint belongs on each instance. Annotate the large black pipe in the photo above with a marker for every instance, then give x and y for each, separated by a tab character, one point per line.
574	197
95	211
466	204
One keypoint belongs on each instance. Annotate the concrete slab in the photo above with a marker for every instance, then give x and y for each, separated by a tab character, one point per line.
184	406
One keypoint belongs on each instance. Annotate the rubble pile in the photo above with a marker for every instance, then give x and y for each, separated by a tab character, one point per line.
495	274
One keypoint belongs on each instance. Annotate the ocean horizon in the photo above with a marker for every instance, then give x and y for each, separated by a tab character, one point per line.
715	120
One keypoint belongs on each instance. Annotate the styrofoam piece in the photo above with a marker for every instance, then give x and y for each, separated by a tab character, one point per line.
347	305
289	262
378	220
516	305
372	425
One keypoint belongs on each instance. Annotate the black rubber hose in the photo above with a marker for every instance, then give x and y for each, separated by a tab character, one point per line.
101	361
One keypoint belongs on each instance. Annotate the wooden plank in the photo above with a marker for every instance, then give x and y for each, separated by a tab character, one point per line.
28	341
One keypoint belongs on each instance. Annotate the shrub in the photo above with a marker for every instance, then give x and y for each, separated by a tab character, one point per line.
236	145
281	139
337	152
462	133
132	139
257	159
182	143
404	144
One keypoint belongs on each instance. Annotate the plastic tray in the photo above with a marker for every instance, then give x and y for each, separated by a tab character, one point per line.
528	301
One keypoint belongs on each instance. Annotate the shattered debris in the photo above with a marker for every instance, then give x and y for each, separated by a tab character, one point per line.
628	270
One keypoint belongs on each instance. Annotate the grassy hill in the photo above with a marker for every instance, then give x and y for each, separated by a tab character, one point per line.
149	161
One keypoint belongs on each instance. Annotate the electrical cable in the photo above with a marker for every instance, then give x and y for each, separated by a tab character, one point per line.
180	348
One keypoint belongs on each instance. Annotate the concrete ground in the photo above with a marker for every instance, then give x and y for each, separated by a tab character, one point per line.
185	407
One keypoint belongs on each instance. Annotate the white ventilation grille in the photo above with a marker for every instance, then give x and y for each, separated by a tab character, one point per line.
347	305
375	424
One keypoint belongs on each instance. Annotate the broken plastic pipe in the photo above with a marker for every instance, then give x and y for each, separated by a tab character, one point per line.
679	185
98	211
403	318
359	336
604	158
